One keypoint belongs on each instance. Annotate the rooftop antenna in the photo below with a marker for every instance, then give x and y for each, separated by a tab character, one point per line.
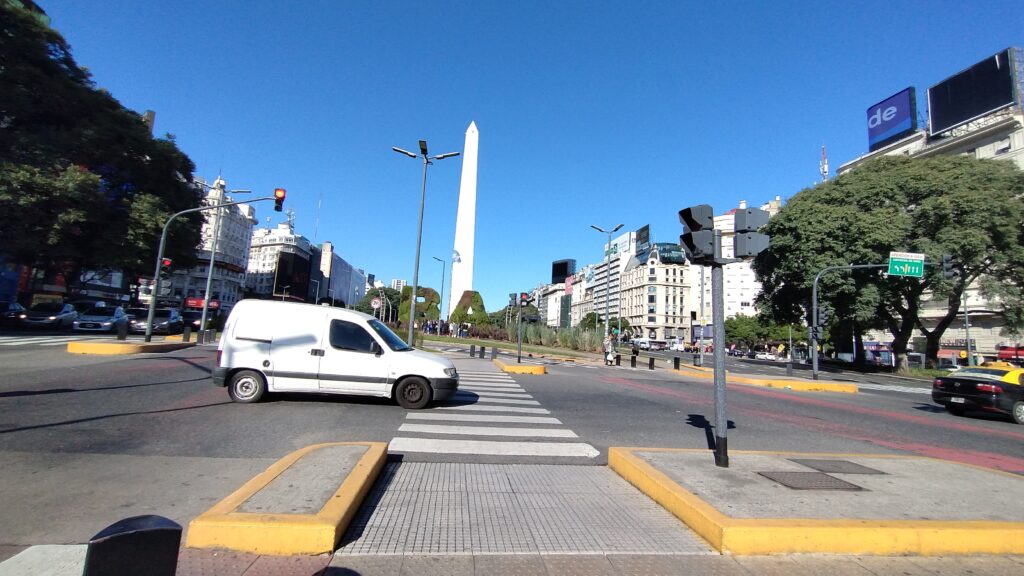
823	164
291	219
316	222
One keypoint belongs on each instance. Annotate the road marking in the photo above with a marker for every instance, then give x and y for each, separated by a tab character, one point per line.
479	408
436	446
470	396
484	418
489	431
886	388
490	388
40	340
489	393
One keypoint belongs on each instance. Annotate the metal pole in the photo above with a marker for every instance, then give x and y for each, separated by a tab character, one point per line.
607	285
814	309
213	253
519	334
967	329
316	295
702	320
416	268
718	341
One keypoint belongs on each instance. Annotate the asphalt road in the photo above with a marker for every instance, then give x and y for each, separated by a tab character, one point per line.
87	440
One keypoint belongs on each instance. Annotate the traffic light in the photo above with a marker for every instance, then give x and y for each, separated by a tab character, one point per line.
279	194
824	315
524	299
165	267
698	239
949	267
748	241
818	332
512	299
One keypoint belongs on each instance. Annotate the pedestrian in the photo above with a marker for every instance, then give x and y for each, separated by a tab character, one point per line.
609	351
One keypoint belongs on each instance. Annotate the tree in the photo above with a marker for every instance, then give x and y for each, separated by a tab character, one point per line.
393	298
971	209
470	309
744	329
426	310
56	127
591	321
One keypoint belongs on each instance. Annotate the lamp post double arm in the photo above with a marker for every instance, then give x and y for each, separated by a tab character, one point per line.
160	256
419	230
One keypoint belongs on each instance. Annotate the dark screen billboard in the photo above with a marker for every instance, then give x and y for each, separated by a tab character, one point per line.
892	118
292	277
561	269
983	88
643	238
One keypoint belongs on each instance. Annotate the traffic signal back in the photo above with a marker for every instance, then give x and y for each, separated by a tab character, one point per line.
698	239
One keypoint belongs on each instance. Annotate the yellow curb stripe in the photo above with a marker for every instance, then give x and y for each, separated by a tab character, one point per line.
288	534
799	385
519	369
112	348
754	536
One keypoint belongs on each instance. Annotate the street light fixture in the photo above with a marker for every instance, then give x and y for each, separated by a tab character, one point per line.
419	230
441	309
608	277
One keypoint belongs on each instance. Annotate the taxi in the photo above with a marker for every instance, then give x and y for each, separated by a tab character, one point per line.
992	387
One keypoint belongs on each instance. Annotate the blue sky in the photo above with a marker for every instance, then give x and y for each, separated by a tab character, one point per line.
589	112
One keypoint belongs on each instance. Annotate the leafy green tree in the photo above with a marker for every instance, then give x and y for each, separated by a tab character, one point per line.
971	209
53	121
393	298
591	321
747	330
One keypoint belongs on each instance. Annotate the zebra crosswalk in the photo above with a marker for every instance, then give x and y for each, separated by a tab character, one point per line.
15	341
495	417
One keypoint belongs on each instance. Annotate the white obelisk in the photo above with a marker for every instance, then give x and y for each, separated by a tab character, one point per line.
465	221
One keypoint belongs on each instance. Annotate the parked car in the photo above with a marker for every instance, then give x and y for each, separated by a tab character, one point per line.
9	312
48	315
271	346
165	321
991	387
193	318
101	319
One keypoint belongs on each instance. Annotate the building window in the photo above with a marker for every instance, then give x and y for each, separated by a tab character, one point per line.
651	319
1003	146
651	299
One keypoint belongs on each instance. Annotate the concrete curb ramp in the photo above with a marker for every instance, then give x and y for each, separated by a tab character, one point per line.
113	348
520	368
799	385
755	536
271	513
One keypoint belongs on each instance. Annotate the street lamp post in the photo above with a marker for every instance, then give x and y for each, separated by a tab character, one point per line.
160	255
441	309
218	185
607	275
419	230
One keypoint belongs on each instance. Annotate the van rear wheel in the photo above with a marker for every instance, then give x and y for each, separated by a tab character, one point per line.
413	393
247	386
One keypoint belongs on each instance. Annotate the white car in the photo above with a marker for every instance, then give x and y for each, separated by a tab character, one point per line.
101	319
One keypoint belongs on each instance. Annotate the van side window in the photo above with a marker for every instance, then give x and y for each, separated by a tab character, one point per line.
349	336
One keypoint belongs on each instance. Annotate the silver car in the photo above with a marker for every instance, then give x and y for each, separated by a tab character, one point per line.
101	319
48	315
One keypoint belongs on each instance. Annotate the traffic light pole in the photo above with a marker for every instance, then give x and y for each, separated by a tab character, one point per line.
160	256
718	354
814	309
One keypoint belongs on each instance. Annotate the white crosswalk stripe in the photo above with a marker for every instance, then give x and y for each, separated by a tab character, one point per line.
886	388
493	407
45	340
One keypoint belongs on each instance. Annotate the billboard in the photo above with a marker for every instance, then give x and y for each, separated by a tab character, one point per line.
292	277
560	269
643	238
892	118
979	90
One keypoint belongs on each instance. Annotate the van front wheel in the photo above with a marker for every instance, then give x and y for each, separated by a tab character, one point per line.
413	393
247	386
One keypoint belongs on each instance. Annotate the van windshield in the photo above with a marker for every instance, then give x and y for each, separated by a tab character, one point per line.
392	339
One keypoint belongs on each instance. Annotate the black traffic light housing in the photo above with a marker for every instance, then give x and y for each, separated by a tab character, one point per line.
748	241
279	194
525	299
950	269
824	315
165	267
698	239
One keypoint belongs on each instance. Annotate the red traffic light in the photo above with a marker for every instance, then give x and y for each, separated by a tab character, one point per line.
279	194
166	262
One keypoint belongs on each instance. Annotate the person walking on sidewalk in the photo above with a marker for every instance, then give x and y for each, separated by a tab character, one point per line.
609	351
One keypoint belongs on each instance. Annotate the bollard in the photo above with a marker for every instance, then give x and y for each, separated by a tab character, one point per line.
789	367
138	545
632	361
211	336
696	359
675	363
483	350
186	334
472	350
200	336
618	359
122	331
494	352
650	363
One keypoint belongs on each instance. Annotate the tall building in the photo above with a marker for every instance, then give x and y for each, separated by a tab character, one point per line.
230	228
465	221
344	285
654	293
397	284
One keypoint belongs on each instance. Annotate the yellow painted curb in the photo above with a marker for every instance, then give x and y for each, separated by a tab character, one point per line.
519	368
800	385
112	348
747	536
288	534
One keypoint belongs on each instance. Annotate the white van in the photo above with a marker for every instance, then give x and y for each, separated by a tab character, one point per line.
272	346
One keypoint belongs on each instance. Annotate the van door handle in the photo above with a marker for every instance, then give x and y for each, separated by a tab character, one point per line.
316	352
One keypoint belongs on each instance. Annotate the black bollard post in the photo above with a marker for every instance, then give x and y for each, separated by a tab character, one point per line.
472	350
494	352
650	363
211	336
618	359
186	334
122	331
138	545
696	359
483	350
789	367
675	363
200	336
632	361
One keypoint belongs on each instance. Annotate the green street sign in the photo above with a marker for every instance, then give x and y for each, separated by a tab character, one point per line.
906	264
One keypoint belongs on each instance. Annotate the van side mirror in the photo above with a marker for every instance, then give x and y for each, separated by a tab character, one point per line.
376	349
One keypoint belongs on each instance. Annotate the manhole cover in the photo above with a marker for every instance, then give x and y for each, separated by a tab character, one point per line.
809	481
836	466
